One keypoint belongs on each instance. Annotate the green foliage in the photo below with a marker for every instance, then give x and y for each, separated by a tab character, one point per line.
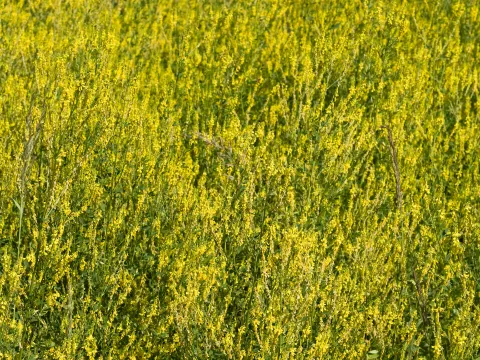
212	179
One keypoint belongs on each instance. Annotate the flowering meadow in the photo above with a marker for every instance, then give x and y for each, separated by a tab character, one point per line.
251	179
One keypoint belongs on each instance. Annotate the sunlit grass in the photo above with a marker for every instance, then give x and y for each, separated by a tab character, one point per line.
239	179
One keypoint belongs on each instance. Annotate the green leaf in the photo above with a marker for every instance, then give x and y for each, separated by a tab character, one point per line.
17	204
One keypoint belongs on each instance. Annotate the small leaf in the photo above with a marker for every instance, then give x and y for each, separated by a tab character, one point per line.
17	204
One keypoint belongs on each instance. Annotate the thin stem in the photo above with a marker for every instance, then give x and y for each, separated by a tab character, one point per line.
399	200
396	167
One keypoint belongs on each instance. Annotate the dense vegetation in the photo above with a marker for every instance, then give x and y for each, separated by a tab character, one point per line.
239	179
